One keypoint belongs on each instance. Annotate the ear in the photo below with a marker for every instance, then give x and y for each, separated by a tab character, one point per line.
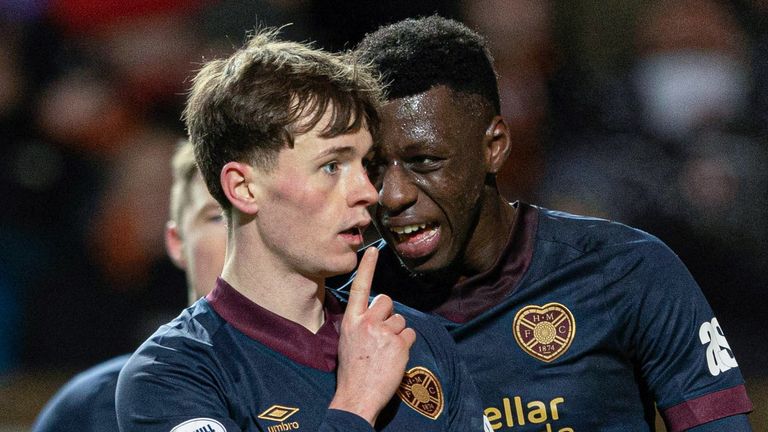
174	245
497	144
239	187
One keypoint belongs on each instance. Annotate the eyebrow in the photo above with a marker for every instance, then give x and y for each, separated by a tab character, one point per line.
420	146
338	150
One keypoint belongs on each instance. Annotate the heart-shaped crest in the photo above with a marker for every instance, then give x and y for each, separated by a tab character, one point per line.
545	332
421	391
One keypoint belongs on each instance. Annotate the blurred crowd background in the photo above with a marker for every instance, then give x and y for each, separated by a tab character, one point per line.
652	113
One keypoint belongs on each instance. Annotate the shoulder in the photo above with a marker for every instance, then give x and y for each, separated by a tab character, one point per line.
197	324
91	385
586	233
563	236
187	339
430	327
85	400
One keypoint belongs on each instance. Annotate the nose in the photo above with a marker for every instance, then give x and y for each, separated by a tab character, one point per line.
397	191
363	193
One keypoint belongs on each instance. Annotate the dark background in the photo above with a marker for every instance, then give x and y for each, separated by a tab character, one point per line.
651	113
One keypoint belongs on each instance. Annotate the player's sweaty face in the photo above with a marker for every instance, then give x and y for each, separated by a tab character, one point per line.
430	175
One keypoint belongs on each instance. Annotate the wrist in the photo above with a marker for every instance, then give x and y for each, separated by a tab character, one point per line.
355	406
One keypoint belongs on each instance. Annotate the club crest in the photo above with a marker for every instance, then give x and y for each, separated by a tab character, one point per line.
421	391
545	332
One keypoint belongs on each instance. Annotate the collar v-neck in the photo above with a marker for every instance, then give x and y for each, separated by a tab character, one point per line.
316	350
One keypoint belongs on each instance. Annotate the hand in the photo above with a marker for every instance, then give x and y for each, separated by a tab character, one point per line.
373	348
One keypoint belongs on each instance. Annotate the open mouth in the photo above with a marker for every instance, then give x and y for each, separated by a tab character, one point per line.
353	236
352	231
412	232
416	240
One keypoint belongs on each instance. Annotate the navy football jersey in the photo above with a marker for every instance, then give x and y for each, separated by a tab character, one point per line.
86	403
582	325
226	364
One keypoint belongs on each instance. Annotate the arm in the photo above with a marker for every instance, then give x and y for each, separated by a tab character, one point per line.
169	393
737	423
677	342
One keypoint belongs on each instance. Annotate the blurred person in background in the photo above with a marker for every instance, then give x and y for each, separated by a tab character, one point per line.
554	313
195	240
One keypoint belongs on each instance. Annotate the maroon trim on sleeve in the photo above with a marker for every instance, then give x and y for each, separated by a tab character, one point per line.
707	408
316	350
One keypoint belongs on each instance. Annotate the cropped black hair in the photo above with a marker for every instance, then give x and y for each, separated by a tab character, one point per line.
417	54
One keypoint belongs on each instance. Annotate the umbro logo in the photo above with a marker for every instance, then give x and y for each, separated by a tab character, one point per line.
280	413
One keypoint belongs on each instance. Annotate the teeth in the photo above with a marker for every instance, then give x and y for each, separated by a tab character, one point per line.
407	229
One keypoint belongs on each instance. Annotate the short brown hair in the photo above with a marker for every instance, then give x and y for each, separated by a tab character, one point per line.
247	107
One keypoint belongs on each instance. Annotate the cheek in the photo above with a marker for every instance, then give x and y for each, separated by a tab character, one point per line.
207	251
296	193
457	188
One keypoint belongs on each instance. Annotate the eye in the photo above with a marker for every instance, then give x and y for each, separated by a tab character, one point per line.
424	163
215	218
330	167
424	160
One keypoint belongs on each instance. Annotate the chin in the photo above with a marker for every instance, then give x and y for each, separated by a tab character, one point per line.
342	265
428	268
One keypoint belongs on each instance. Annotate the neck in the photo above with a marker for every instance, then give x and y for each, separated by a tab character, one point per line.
271	284
491	234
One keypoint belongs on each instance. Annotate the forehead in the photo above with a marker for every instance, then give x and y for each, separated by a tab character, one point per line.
431	116
426	114
313	142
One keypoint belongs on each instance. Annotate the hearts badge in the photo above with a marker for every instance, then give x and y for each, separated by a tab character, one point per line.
421	391
545	332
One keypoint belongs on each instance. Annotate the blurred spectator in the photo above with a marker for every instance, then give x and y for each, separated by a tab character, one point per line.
691	69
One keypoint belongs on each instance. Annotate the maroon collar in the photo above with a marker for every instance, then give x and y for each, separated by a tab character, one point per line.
464	300
291	339
472	296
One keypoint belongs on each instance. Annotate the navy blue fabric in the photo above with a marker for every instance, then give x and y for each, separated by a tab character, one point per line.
201	366
86	403
634	341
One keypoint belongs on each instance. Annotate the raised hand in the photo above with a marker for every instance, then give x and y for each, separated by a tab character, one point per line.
373	348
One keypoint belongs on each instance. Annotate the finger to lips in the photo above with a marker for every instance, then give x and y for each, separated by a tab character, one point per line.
360	290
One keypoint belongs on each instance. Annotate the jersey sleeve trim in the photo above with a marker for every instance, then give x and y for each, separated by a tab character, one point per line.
707	408
339	420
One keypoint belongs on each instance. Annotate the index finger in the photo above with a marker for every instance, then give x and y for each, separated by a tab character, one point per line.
361	286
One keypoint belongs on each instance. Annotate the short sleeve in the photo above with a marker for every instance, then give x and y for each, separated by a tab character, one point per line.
678	343
171	389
